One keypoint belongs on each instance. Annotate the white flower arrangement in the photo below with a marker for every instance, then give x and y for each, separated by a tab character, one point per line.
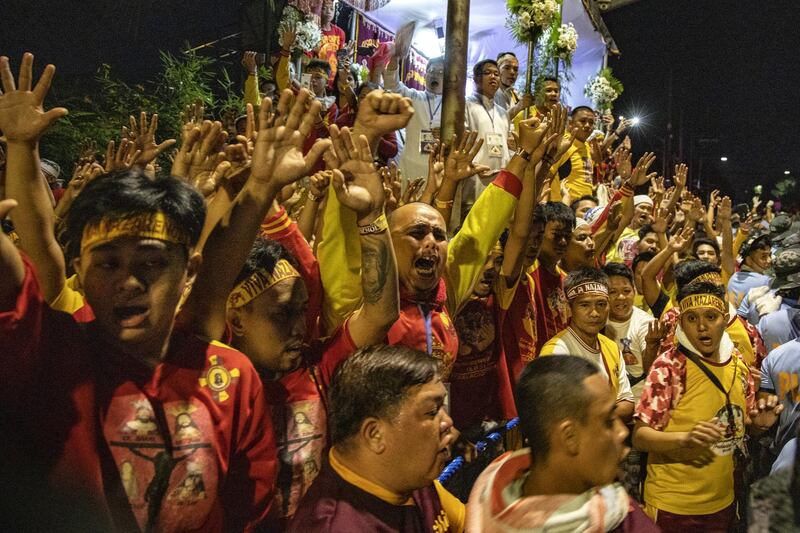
529	18
567	41
603	89
308	34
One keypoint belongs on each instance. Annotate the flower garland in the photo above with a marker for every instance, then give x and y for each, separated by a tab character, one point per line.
528	19
560	42
603	89
307	32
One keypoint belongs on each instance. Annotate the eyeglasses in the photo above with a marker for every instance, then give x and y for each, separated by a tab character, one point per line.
493	73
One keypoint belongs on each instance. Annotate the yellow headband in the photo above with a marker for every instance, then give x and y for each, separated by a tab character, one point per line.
144	225
703	301
259	281
583	288
709	277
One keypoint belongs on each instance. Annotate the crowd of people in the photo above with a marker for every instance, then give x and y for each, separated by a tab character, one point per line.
298	325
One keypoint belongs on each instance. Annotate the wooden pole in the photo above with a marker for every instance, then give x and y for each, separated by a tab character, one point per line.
529	75
455	69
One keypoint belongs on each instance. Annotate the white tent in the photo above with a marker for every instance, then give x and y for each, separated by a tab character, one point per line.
489	36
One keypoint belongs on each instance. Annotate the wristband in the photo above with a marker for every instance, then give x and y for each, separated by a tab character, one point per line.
524	154
626	191
442	205
379	225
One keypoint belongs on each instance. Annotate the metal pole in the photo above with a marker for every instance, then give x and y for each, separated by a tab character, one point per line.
455	68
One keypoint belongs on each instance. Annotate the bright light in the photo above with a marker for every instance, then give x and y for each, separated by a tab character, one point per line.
723	158
786	172
621	117
635	121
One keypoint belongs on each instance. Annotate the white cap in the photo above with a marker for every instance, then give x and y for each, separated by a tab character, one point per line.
642	199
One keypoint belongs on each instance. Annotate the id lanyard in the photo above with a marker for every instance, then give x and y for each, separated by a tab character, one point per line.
490	115
428	331
432	112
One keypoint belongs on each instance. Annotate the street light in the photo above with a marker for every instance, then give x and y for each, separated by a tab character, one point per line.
723	158
786	172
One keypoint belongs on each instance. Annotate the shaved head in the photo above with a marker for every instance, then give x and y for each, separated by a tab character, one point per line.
419	237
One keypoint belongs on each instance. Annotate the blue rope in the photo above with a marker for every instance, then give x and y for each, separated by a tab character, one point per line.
492	438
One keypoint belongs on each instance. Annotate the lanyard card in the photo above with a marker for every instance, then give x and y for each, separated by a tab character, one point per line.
427	140
494	144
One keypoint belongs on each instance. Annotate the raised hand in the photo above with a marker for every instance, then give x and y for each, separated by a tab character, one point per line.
144	137
278	158
413	191
681	171
22	115
681	240
289	37
459	163
766	412
559	148
199	155
83	175
123	158
725	210
356	182
249	62
660	220
622	159
381	112
697	211
192	117
656	332
640	175
318	185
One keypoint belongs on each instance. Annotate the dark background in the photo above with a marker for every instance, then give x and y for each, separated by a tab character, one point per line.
709	78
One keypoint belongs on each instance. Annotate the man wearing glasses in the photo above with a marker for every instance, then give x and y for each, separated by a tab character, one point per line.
491	122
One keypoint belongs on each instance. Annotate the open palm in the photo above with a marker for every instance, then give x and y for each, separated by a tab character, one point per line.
22	115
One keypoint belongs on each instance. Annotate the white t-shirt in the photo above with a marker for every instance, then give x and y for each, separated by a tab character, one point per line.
630	337
569	343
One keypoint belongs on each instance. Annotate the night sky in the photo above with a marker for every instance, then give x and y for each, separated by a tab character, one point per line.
731	65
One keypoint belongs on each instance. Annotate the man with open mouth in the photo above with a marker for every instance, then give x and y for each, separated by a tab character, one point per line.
698	401
422	131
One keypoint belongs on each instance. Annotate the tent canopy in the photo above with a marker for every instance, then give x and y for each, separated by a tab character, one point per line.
489	36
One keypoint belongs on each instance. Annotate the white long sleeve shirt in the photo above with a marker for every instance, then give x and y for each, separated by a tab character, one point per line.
427	116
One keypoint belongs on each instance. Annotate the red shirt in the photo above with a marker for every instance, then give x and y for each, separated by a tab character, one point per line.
414	328
299	414
478	390
332	40
192	433
518	328
551	304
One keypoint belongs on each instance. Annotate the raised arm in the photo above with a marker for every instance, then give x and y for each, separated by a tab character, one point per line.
277	161
650	286
532	184
727	260
359	188
23	121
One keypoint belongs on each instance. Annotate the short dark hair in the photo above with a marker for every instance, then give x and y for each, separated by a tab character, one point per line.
125	193
319	63
264	254
705	240
581	108
582	275
701	287
551	78
687	270
618	269
501	55
477	70
644	230
556	212
373	382
644	257
590	197
546	394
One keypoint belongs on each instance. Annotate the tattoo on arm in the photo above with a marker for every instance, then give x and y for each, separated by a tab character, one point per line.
374	256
